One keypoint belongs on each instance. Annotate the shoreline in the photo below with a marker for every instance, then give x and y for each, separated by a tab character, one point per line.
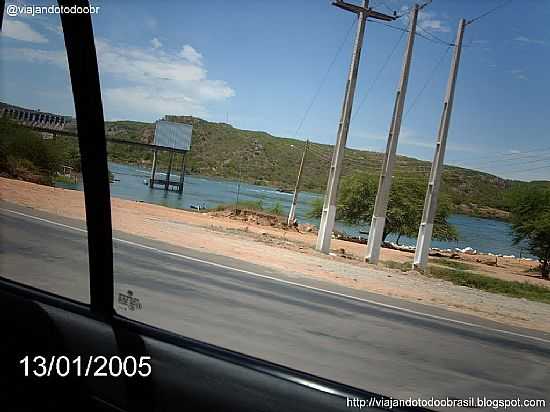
507	249
483	212
293	253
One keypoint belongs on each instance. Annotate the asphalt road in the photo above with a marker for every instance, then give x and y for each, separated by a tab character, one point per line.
367	341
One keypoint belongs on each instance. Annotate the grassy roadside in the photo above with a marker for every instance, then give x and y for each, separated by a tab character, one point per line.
460	274
257	206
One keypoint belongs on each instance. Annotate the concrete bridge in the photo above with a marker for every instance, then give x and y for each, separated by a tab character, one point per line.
169	136
34	118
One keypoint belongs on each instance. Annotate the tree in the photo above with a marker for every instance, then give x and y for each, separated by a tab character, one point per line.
315	208
531	224
21	148
356	204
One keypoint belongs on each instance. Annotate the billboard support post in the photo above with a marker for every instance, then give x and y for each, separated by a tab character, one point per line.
153	169
172	137
182	174
169	172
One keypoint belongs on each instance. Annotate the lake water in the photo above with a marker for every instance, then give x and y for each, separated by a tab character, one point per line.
485	235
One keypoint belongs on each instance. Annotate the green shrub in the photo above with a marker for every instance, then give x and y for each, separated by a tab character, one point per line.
315	208
277	209
251	204
490	284
455	264
22	149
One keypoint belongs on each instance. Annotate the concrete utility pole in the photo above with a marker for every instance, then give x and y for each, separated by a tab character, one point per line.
430	203
292	213
378	222
329	206
238	188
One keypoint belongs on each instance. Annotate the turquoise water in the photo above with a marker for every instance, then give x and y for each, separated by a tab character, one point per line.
485	235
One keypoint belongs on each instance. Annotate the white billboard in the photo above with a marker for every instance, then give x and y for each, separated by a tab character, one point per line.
173	135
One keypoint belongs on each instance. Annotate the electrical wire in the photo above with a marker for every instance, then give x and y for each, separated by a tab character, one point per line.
425	37
317	152
530	169
512	156
506	163
324	79
375	80
427	82
435	38
419	169
408	9
504	3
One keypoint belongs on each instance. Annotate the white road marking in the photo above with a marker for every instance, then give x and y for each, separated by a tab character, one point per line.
288	282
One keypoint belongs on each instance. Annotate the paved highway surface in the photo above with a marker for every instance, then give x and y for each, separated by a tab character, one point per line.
419	351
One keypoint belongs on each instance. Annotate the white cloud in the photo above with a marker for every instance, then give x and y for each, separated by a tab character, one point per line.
519	74
19	30
56	57
147	102
143	83
156	43
146	66
155	82
431	22
191	55
527	40
54	28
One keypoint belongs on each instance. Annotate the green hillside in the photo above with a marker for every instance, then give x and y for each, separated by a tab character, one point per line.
220	150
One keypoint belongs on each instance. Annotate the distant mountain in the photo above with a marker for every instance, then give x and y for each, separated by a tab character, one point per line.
222	151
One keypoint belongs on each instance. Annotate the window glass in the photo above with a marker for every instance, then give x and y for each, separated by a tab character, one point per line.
43	241
203	245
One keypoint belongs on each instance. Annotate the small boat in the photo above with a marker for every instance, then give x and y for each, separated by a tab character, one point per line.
198	207
281	190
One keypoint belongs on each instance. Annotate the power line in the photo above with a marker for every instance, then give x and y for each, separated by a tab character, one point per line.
434	40
418	171
511	156
437	39
428	81
372	164
405	171
504	3
317	152
388	7
406	11
530	169
320	156
530	159
375	80
323	80
389	25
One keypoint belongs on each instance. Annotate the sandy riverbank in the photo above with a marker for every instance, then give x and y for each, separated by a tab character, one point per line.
292	252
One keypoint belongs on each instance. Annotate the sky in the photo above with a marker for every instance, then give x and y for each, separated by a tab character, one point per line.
259	65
